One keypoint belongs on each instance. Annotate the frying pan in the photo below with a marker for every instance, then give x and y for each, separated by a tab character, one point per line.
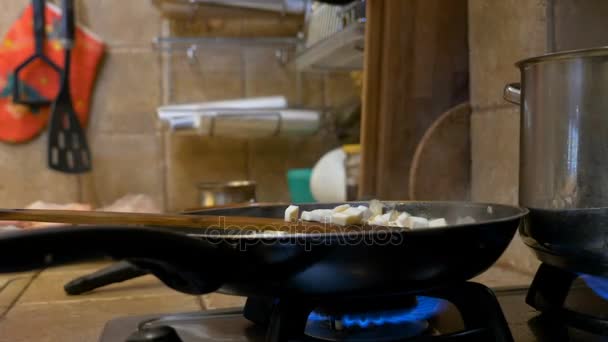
572	239
203	260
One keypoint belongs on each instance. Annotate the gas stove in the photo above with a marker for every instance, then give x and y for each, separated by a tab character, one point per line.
464	312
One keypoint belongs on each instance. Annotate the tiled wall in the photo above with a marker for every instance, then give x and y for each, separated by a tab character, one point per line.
132	152
501	33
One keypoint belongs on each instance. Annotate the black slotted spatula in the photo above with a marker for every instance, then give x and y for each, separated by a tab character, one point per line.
68	150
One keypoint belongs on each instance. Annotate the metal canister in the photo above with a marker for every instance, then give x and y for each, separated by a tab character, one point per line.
224	193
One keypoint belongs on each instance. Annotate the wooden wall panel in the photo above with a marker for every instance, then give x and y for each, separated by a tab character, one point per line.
415	68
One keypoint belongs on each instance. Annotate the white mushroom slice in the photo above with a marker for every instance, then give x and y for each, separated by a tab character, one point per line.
381	220
340	208
322	215
440	222
365	212
376	207
414	222
306	216
393	215
377	220
291	213
345	218
402	219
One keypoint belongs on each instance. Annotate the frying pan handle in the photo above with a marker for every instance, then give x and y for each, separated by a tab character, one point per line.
176	259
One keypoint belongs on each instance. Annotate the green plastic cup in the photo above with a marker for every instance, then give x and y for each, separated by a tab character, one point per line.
298	181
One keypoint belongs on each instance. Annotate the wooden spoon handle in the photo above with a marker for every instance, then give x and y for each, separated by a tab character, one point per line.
165	220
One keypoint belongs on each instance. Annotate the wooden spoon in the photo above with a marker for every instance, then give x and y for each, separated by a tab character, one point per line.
167	220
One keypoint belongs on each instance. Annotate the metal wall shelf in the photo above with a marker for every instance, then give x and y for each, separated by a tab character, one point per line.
343	50
336	44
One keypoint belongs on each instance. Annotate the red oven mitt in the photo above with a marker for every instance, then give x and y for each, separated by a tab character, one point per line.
20	123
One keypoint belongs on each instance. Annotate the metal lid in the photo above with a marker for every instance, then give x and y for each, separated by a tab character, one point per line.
571	54
226	185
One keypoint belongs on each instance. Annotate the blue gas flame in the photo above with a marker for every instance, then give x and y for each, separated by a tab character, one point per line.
426	308
599	285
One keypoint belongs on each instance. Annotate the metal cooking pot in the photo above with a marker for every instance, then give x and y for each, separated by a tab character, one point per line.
233	192
564	157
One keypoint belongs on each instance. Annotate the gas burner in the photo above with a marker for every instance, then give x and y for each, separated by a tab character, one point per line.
458	312
550	293
599	285
392	332
381	318
383	325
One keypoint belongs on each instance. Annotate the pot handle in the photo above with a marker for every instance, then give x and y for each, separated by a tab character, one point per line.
176	259
512	93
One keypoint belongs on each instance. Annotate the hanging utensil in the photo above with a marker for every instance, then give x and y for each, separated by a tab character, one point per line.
68	150
39	38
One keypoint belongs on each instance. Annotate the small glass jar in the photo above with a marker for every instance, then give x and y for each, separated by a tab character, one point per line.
352	165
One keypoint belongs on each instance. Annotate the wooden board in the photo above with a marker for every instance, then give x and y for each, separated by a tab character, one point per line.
441	166
415	68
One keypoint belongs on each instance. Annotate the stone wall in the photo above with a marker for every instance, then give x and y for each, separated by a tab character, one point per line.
132	152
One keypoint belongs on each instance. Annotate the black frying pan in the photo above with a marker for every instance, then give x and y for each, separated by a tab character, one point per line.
572	239
199	261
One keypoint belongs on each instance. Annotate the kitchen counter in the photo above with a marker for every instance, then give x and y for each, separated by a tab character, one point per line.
34	307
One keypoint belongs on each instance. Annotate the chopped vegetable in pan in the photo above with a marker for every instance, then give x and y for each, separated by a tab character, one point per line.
346	214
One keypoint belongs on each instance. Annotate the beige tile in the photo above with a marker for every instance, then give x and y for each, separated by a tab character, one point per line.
312	91
26	178
580	24
227	27
120	22
218	300
519	257
5	277
215	74
271	158
304	152
48	288
265	76
192	159
89	266
501	33
127	92
124	164
9	12
287	26
498	276
11	288
252	24
268	167
341	89
495	155
83	321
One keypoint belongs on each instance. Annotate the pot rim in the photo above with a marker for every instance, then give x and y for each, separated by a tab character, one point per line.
236	184
564	55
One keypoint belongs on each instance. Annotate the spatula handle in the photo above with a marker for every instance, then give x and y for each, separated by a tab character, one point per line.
67	23
169	221
39	25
